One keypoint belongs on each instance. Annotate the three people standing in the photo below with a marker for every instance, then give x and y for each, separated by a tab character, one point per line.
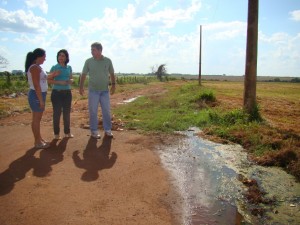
101	75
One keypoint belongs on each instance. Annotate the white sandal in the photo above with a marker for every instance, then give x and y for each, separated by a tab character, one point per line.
42	145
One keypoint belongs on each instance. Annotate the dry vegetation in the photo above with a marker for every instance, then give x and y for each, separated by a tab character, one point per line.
279	105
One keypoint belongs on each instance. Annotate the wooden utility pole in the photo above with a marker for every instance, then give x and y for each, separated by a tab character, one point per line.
200	52
251	58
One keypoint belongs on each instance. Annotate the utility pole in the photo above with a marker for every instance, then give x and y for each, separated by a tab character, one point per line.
200	52
251	58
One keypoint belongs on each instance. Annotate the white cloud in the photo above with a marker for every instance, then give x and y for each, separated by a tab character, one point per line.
41	4
226	30
276	38
24	22
4	51
132	18
130	29
4	39
168	18
279	50
295	15
153	5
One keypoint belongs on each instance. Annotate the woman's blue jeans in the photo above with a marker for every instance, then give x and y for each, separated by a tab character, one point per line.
61	103
102	97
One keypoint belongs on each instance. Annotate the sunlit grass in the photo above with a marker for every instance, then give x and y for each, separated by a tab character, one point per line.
204	106
178	109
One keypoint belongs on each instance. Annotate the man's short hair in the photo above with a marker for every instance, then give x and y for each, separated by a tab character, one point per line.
97	45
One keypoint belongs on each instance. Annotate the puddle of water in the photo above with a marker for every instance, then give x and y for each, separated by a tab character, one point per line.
205	174
129	100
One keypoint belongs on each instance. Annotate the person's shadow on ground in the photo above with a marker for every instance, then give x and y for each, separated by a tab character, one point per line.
17	171
95	158
41	166
49	157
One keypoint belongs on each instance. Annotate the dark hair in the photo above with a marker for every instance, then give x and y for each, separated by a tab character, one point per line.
97	45
66	54
32	56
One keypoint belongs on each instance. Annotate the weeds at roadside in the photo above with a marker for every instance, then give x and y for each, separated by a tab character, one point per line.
193	105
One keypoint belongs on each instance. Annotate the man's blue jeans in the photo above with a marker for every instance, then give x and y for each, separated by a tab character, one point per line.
102	97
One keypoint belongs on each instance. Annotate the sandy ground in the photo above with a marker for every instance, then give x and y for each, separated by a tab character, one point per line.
83	180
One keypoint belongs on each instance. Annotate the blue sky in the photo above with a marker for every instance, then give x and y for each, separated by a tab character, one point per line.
141	34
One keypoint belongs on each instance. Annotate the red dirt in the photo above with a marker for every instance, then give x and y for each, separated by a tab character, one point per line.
82	180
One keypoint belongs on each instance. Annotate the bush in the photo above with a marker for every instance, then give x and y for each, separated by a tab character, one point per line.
208	96
255	114
228	119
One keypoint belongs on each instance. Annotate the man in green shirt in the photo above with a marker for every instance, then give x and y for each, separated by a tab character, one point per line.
101	72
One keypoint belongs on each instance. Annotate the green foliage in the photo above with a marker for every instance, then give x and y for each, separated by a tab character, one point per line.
208	96
13	84
228	118
295	80
169	112
178	109
76	81
135	79
255	114
142	79
161	71
18	83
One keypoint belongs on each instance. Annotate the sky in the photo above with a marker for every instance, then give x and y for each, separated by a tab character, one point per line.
139	35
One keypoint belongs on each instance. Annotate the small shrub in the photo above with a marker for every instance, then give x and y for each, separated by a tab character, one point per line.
208	96
255	114
204	100
229	118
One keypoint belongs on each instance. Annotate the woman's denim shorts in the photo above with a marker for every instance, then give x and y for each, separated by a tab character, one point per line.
34	102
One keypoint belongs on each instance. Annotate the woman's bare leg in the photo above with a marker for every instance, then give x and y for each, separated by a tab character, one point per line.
36	127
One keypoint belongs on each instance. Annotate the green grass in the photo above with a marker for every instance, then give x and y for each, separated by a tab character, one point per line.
178	109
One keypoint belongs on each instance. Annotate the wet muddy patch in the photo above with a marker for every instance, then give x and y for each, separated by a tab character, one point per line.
219	185
125	101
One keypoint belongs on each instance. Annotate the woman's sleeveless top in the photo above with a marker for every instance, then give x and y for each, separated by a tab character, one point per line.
43	79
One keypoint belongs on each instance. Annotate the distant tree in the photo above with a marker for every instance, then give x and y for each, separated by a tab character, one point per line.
295	80
277	79
160	71
3	62
8	78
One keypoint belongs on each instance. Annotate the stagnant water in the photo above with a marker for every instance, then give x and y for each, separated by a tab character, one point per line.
206	175
129	100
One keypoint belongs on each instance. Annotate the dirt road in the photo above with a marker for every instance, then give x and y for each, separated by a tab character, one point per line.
82	180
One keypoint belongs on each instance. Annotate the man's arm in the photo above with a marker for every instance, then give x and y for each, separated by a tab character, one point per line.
81	84
113	83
